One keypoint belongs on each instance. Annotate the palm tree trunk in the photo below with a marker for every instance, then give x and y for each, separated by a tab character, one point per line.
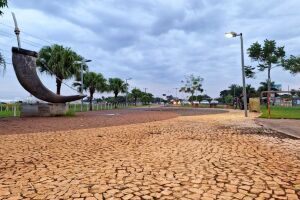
116	95
91	101
58	85
269	78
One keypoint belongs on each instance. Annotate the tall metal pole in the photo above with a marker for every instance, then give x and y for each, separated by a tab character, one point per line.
81	87
17	30
244	76
126	93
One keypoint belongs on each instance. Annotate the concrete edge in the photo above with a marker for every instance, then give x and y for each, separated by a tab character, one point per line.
277	130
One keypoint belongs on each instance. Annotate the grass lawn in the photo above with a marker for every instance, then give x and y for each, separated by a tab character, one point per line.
8	113
281	112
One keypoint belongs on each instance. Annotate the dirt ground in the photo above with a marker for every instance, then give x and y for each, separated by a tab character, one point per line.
95	119
219	156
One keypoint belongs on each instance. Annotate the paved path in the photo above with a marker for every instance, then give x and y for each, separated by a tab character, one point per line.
287	126
195	157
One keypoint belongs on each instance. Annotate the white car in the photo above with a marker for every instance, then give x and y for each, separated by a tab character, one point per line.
204	102
214	102
195	102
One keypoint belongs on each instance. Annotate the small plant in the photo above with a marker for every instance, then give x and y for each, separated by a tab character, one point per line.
70	113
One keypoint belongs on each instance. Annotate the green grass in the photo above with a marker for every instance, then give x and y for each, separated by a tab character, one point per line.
7	111
281	112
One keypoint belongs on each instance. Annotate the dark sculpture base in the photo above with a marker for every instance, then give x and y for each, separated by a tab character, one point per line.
43	109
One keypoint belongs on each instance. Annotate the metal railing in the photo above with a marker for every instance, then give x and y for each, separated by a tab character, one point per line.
13	110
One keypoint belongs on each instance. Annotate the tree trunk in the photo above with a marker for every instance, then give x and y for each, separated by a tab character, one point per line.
135	99
91	100
269	89
58	86
269	78
116	95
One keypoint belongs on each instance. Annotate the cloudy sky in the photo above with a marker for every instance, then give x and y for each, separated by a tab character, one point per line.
156	42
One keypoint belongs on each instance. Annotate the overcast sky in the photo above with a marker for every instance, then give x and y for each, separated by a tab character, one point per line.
156	42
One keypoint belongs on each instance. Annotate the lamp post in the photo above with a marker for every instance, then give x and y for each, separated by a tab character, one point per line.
83	62
231	35
127	79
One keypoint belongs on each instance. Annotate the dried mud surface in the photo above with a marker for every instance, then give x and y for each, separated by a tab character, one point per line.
187	157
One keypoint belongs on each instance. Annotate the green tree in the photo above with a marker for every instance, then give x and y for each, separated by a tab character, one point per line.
136	93
117	85
268	56
2	62
61	62
192	84
146	98
3	4
200	98
293	65
264	87
235	90
229	99
92	82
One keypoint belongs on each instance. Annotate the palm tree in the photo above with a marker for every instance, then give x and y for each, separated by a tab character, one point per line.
117	85
136	93
92	82
61	62
3	4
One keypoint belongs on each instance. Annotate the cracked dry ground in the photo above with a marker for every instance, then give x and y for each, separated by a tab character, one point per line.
194	157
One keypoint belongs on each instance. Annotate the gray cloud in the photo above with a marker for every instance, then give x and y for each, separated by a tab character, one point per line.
157	42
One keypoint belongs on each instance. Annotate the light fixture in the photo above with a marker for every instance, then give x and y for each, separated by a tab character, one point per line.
231	34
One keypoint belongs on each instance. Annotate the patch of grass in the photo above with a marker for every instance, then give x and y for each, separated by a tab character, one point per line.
278	112
70	113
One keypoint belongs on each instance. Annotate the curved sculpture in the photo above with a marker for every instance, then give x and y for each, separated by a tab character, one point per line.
24	62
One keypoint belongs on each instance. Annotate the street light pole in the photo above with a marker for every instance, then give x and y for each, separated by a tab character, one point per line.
230	35
81	86
127	79
244	76
83	62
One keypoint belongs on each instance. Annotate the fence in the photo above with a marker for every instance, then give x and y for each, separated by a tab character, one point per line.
13	110
9	110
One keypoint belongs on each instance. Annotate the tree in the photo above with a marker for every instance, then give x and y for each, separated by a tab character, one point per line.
293	65
92	82
235	90
136	93
3	4
267	56
146	98
117	85
61	62
294	92
2	62
192	84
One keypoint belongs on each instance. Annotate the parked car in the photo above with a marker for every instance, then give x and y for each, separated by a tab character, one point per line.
214	102
204	102
195	102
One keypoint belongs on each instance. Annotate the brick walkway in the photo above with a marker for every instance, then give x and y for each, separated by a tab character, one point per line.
195	157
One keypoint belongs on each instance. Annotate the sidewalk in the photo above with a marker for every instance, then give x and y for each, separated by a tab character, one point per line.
287	126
